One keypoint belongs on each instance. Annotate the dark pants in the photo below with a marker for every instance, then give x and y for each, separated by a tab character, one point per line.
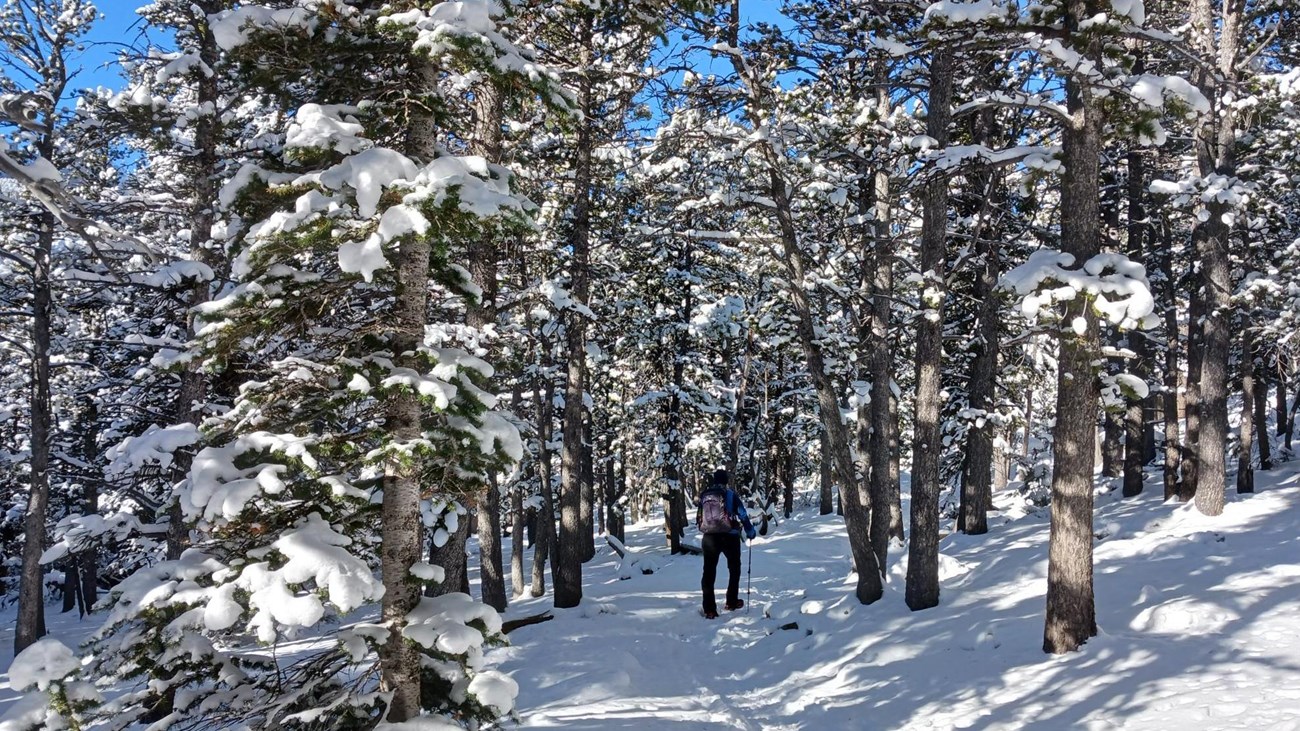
727	544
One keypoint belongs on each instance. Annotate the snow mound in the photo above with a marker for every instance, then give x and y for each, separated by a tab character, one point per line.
43	663
1183	616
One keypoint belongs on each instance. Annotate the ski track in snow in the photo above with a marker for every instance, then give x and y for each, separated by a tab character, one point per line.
1198	619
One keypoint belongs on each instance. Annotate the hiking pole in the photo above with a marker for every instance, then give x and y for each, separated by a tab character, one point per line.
749	573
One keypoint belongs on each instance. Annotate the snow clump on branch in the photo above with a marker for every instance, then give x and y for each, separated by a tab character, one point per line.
1116	286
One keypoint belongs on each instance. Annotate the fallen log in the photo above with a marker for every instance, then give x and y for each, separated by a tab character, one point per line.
617	545
691	548
510	625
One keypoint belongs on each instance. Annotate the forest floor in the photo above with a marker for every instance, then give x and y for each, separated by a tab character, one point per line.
1198	628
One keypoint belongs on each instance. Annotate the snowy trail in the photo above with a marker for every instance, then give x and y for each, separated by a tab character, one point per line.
1199	628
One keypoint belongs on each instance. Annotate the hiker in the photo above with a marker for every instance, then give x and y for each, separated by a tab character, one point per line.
720	515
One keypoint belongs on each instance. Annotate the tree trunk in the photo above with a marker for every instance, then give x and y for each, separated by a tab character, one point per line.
1245	458
1212	437
856	501
895	485
787	479
546	538
738	414
89	559
673	478
492	581
1134	441
71	585
1191	456
568	562
883	446
1261	421
1002	459
1071	612
1029	420
31	591
1216	140
1135	446
1112	448
977	472
1279	407
402	533
922	590
675	519
484	260
517	530
622	490
193	392
1173	446
825	501
1290	420
613	497
587	504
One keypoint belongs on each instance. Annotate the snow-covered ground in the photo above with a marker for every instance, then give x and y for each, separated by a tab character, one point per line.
1199	624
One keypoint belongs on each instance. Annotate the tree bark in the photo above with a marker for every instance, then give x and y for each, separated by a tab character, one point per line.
1279	404
977	472
737	424
1173	446
856	500
674	448
402	533
825	501
1290	421
1215	143
194	383
1135	448
568	561
492	581
31	589
1212	437
613	496
1191	455
922	590
587	502
622	490
517	529
480	315
883	445
546	538
1071	612
1245	458
1112	447
89	559
895	485
1261	421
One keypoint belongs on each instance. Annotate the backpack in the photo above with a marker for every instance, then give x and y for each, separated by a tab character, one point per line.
715	513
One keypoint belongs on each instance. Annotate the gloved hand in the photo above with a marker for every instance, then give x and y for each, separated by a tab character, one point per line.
750	533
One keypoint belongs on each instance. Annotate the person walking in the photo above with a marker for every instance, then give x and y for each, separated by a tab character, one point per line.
721	516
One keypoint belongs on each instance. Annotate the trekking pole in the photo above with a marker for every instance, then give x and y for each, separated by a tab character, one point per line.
749	573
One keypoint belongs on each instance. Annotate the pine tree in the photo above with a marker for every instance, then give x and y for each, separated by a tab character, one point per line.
352	421
39	38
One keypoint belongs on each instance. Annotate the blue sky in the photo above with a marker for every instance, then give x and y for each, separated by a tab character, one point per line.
120	24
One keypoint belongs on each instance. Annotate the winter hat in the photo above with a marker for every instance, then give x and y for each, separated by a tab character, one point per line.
720	477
